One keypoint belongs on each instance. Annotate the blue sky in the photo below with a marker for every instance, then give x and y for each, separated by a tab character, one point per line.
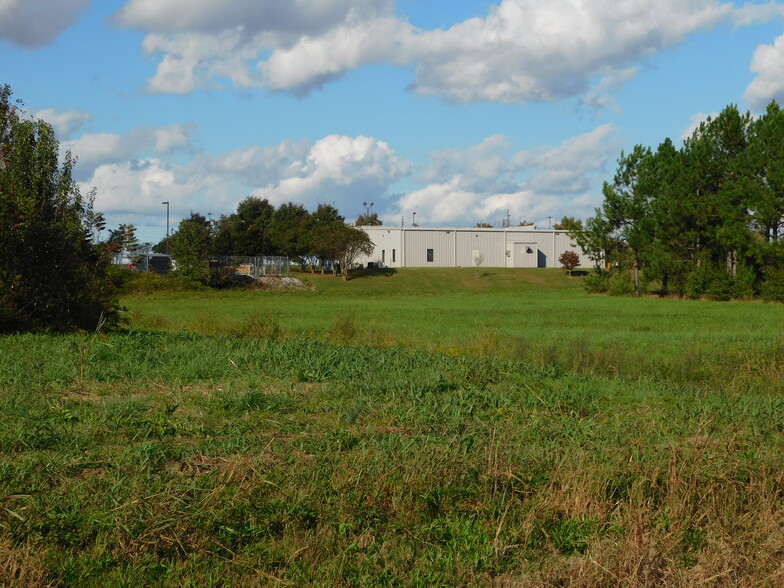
459	111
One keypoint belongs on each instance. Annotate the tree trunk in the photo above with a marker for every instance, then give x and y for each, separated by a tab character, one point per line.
636	273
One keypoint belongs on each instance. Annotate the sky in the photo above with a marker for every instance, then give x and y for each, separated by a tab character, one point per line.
459	111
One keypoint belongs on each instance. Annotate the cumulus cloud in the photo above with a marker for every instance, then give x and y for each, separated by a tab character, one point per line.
195	61
485	182
521	51
768	64
93	150
200	41
35	23
526	50
65	123
313	61
340	169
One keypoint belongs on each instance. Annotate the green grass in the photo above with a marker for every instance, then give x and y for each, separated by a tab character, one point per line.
540	316
423	428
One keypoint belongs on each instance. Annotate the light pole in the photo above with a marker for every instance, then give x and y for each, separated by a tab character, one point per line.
413	221
367	208
167	217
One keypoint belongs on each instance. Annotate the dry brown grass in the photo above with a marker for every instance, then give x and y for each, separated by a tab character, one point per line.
23	566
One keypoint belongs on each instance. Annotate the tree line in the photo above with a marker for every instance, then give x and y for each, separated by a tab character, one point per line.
317	240
702	221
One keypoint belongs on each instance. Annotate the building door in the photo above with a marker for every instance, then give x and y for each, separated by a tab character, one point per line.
525	255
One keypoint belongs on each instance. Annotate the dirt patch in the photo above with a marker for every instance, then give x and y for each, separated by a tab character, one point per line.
281	283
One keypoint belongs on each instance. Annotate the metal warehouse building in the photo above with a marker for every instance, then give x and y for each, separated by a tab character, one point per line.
456	247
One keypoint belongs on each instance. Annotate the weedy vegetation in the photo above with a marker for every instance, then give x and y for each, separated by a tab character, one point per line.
420	428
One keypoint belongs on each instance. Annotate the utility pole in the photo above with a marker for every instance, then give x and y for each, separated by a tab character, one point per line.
167	217
413	222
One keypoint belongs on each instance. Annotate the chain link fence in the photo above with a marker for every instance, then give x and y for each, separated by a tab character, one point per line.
258	267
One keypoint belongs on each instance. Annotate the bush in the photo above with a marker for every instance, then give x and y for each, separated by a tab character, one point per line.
569	260
709	280
772	288
744	283
597	282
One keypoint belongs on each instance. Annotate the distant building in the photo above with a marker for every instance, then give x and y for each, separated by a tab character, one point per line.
464	247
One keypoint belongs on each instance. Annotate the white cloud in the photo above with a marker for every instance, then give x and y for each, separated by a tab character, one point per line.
600	95
315	60
478	166
340	169
751	14
522	51
64	123
93	150
310	41
484	182
527	50
569	168
768	64
35	23
138	187
193	61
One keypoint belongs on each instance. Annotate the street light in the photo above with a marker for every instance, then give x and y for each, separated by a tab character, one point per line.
367	208
167	217
413	221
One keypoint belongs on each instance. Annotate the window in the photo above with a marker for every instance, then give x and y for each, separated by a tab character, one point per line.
430	255
393	256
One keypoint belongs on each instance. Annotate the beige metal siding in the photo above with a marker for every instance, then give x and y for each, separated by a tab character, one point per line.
385	241
418	241
486	242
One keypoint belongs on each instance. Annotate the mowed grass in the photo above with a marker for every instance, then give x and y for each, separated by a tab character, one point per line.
421	428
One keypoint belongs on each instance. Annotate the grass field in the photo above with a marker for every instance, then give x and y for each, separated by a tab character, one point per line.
410	428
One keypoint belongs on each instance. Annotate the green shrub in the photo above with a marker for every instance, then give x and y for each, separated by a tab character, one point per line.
620	283
596	282
743	284
772	287
709	280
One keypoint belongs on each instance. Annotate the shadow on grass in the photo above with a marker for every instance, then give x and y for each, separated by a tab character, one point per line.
385	272
579	273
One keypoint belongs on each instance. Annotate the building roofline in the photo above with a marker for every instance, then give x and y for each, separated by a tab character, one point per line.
525	229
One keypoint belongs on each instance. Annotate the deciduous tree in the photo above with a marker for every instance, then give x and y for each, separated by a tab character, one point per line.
569	260
190	247
52	274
